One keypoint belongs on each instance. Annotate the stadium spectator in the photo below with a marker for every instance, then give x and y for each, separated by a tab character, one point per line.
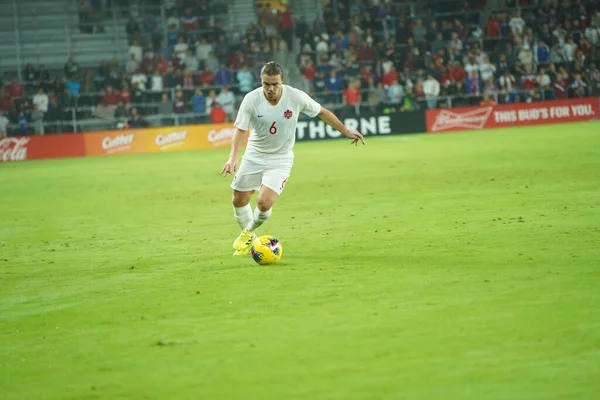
181	47
110	98
245	79
191	62
135	50
74	87
121	113
287	28
395	94
351	98
29	73
23	123
210	100
227	101
156	82
97	15
179	107
132	64
5	100
203	49
125	95
146	65
431	89
15	90
4	121
223	76
165	108
137	122
132	28
148	24
473	83
217	113
207	77
189	21
198	101
487	101
41	100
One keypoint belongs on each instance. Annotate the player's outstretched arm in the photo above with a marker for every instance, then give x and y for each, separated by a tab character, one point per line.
330	119
236	144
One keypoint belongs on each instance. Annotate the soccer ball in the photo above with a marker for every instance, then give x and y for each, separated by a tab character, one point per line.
266	250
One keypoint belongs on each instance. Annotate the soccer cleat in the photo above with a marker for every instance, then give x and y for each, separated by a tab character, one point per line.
243	252
244	241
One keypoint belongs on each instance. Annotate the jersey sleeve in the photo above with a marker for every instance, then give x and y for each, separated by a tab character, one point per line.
308	105
242	120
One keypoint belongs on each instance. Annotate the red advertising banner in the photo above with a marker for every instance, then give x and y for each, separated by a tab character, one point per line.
135	141
22	148
522	114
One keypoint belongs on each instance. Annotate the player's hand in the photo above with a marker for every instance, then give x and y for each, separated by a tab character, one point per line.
230	167
356	136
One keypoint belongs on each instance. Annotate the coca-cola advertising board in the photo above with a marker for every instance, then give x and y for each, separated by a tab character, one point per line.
545	112
23	148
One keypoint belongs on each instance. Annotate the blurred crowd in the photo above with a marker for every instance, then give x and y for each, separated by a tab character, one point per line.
378	55
385	55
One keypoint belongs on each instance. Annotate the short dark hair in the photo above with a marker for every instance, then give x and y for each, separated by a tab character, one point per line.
272	69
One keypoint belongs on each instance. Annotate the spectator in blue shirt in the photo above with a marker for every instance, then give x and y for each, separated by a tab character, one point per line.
334	85
543	53
223	77
166	50
74	87
23	122
148	24
199	105
172	36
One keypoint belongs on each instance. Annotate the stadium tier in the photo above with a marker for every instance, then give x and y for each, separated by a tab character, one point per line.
77	66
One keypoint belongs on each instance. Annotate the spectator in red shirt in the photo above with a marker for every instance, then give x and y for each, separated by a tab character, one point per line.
15	90
110	98
561	87
351	97
161	64
390	76
217	114
528	79
125	95
189	21
493	26
287	28
147	64
457	72
238	60
308	74
207	77
5	103
367	73
366	53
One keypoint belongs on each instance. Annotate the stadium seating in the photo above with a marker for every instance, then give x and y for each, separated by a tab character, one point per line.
402	34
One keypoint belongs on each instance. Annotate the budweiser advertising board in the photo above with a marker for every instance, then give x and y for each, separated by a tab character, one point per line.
546	112
23	148
153	140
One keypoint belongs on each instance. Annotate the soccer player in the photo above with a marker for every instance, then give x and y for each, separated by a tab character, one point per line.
271	113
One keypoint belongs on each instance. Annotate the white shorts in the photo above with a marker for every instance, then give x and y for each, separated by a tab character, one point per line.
270	173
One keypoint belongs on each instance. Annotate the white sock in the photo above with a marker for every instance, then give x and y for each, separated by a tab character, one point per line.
243	215
259	218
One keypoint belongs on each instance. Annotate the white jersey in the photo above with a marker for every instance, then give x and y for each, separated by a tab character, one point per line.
273	127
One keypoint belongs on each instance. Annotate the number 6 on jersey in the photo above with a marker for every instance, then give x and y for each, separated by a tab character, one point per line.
273	129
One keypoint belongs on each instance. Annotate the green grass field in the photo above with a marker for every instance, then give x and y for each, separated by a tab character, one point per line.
451	266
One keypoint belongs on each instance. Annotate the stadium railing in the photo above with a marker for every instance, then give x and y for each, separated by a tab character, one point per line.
81	121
